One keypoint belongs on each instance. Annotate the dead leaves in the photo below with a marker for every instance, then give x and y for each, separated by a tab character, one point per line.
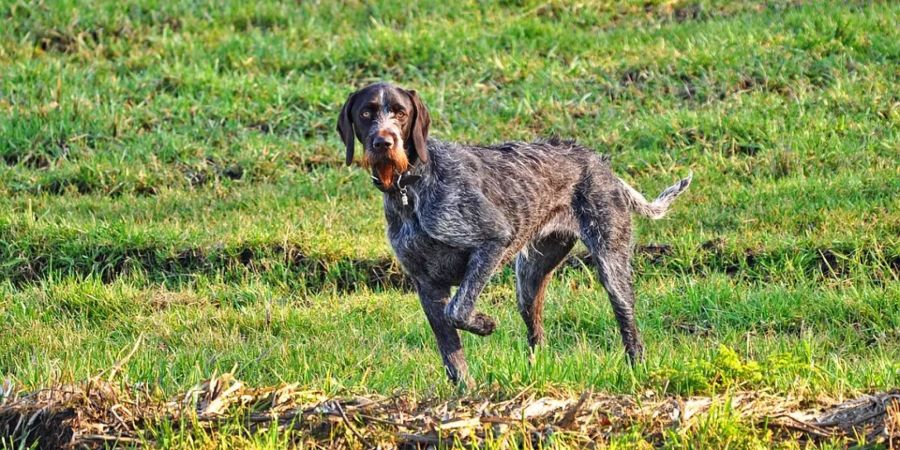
98	413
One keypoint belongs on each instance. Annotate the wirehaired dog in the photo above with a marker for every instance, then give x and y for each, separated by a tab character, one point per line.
455	213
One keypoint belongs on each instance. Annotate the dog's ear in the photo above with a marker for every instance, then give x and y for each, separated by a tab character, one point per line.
421	121
345	127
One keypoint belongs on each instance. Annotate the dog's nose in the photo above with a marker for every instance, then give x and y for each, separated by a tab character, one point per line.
382	143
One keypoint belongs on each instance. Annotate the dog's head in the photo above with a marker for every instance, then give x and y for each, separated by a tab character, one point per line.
392	123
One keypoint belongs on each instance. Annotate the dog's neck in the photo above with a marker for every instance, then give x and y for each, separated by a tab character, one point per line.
400	198
398	195
400	183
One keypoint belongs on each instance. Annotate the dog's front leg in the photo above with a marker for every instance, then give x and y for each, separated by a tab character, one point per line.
434	299
483	261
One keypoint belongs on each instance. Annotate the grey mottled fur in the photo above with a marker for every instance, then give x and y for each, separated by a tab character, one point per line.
476	208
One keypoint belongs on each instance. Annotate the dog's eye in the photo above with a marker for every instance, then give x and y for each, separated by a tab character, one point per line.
400	114
365	114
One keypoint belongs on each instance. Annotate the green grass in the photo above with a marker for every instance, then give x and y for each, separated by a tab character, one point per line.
171	170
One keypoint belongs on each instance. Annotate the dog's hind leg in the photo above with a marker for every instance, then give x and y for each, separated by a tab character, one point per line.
534	269
605	222
614	267
433	300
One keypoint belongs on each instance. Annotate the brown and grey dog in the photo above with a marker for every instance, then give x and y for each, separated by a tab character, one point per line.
455	213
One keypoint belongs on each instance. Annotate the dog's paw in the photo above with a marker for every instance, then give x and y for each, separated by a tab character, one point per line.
480	324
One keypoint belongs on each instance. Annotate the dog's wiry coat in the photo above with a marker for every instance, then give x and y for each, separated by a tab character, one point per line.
477	207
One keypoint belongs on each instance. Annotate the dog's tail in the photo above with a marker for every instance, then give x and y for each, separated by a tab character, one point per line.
658	208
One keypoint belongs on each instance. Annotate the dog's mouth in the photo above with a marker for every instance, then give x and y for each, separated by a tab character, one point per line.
385	164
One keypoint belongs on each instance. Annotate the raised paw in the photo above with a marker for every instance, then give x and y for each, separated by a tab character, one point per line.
479	323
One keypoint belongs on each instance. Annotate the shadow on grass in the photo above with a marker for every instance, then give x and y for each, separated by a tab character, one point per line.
314	273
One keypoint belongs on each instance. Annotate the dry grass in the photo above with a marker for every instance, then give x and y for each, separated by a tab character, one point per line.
99	413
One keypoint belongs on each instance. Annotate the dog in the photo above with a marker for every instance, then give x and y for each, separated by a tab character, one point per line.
456	213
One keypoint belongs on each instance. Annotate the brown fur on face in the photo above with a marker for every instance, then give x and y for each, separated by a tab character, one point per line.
385	164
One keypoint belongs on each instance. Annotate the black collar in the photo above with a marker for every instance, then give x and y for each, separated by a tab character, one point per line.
401	182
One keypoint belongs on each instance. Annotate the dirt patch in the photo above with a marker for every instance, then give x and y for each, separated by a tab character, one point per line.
261	127
57	41
98	413
161	300
73	39
32	160
70	41
634	76
211	171
62	186
44	154
688	12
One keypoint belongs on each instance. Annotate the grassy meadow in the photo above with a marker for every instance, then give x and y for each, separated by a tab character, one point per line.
170	170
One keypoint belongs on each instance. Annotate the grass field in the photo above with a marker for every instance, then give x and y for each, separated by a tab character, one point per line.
170	170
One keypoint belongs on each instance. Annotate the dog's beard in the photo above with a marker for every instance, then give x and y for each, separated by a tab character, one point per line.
385	164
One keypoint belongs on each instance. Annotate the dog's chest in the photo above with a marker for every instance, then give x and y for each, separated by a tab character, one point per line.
422	256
